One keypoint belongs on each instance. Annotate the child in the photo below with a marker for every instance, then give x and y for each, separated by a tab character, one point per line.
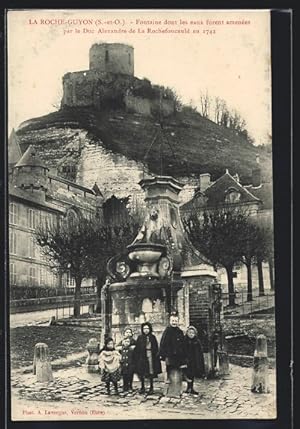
109	365
127	364
145	357
127	334
195	359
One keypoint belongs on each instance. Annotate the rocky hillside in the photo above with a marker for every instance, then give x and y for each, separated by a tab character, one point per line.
191	143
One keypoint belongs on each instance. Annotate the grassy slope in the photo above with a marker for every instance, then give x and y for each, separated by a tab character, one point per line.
199	144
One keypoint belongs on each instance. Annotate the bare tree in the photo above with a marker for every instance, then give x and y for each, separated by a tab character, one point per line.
251	239
205	102
218	102
217	234
65	246
83	246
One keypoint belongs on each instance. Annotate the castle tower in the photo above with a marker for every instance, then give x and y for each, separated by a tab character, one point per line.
31	173
14	151
112	58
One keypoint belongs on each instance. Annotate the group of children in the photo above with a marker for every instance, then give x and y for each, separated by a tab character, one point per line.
143	357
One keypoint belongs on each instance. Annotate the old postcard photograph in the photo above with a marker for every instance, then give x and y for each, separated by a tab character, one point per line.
141	263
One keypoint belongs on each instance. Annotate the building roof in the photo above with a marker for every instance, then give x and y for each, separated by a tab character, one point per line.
30	159
215	194
70	183
14	150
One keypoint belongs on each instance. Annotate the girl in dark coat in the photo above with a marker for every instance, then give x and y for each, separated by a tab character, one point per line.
195	359
172	349
145	357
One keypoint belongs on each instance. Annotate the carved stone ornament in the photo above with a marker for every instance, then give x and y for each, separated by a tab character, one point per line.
123	269
164	267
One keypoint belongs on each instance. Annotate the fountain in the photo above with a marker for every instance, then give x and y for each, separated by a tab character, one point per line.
161	272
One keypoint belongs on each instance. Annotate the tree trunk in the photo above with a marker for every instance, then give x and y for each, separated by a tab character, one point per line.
78	281
249	283
230	286
260	278
271	273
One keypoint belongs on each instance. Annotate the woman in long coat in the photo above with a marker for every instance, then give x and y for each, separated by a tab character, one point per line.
145	357
172	346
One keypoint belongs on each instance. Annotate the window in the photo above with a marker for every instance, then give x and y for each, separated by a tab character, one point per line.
31	218
43	219
13	213
13	242
32	276
232	196
42	276
31	248
71	217
70	282
12	274
50	220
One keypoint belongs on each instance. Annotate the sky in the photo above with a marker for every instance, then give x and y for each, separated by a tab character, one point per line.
211	53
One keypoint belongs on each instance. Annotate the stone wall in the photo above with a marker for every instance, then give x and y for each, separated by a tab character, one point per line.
148	107
104	90
94	88
200	308
117	175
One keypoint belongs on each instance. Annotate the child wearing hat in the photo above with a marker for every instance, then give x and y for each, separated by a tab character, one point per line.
109	365
127	333
194	358
127	364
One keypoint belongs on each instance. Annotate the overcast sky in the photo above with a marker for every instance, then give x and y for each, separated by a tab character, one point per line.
233	63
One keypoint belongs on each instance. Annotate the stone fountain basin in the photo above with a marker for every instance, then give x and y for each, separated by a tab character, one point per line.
145	252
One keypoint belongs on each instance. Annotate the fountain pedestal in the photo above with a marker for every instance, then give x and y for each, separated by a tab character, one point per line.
139	300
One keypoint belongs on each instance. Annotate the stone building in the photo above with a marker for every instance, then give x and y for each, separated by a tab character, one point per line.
38	197
227	191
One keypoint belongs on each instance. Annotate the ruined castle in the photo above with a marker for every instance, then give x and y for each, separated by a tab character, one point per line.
110	82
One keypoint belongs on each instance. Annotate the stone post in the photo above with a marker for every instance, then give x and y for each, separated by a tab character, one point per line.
52	321
223	362
41	365
174	386
93	349
260	382
222	356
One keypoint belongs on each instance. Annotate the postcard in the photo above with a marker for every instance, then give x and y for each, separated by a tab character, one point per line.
141	261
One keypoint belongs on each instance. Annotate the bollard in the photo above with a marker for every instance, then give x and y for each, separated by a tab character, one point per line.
41	365
93	349
260	382
223	363
174	386
51	321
